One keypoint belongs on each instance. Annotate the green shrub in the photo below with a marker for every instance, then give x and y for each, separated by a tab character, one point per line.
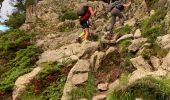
154	50
15	20
69	15
87	91
66	27
123	30
20	65
30	2
147	88
50	80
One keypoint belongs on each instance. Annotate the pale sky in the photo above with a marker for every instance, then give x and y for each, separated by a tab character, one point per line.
6	9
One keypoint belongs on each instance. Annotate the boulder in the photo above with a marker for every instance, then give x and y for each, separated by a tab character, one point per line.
141	64
100	97
136	44
77	75
131	22
164	41
156	62
102	86
137	34
79	78
22	81
110	51
96	60
127	36
166	62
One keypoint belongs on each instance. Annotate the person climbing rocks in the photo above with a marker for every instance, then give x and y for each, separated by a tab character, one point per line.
84	16
116	9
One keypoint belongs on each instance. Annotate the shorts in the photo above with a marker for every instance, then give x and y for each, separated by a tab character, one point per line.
84	24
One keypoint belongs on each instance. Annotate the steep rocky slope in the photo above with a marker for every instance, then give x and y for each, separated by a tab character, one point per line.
133	64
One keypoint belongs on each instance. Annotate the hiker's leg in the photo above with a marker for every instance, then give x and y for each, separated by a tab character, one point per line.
113	21
86	31
122	18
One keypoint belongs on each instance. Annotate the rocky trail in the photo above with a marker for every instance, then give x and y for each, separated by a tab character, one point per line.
103	58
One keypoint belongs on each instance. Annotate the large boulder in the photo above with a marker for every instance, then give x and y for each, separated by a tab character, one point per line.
77	75
141	64
137	34
66	52
136	44
124	37
96	60
156	62
164	41
22	81
166	62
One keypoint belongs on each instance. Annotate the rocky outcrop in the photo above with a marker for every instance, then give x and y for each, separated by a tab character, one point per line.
141	64
164	41
166	62
22	81
77	75
67	52
137	44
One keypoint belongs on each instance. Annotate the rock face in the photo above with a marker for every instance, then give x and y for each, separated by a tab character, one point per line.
141	64
164	41
96	60
66	52
21	82
77	75
166	62
155	62
136	44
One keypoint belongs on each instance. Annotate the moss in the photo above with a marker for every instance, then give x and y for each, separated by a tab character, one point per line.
69	15
85	91
147	88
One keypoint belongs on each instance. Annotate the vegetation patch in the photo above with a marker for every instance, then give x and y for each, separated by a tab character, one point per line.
123	30
69	15
86	91
66	27
18	66
147	88
154	50
48	84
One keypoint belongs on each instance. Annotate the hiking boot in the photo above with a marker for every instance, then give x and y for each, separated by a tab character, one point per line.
79	40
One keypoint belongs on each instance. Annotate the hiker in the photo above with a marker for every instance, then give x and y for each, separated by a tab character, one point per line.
116	9
84	20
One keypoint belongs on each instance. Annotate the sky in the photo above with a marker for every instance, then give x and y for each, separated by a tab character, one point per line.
5	10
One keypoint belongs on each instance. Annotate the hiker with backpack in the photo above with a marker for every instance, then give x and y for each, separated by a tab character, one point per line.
86	11
116	9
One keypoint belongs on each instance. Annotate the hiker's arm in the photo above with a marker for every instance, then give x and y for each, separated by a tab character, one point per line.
91	11
127	5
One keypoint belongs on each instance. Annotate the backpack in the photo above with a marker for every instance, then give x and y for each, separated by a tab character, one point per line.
117	4
82	11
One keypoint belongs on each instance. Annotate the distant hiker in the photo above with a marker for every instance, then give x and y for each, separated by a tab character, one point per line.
84	13
116	9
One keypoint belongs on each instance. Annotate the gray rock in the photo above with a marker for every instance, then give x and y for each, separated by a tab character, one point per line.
141	64
127	36
81	66
155	62
102	86
136	44
164	41
137	34
79	78
131	22
166	62
110	51
22	81
96	60
100	97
